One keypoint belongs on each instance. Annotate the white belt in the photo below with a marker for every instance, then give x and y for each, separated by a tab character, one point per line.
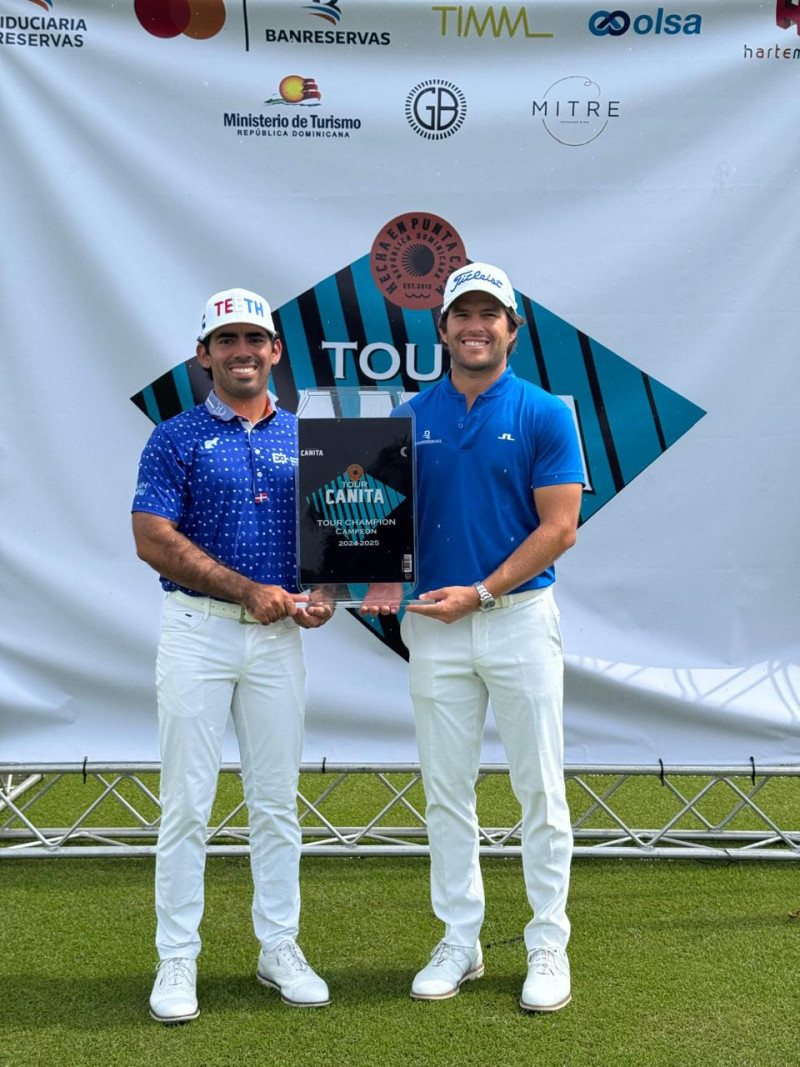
208	605
507	599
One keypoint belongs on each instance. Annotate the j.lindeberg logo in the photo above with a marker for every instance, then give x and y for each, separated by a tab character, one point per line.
574	110
436	109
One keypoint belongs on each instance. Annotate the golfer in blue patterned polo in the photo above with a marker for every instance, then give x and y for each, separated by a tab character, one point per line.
214	514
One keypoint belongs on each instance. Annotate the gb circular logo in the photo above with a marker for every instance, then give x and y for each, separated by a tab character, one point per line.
199	19
436	109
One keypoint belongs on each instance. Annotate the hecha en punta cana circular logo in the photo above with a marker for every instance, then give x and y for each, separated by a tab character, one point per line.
168	18
412	257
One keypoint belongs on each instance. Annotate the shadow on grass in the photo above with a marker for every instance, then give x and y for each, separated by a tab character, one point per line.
111	1002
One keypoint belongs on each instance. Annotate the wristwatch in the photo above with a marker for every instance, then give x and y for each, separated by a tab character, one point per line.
487	600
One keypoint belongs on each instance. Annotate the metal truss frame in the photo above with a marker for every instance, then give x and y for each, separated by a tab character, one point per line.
740	827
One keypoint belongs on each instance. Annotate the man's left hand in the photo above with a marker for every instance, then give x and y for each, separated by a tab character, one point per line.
449	604
318	609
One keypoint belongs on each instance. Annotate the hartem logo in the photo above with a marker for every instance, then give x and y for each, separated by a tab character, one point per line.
787	14
168	18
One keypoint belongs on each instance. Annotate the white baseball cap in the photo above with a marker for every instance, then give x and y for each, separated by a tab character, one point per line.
236	305
482	277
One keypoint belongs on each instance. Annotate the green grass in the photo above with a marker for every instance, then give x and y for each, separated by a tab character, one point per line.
675	964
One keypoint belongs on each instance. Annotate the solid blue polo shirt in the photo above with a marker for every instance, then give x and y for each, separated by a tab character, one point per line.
476	472
229	487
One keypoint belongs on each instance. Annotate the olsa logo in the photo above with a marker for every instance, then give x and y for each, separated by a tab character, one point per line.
168	18
616	23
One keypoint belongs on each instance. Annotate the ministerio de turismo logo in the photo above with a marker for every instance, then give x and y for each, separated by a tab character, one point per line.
170	18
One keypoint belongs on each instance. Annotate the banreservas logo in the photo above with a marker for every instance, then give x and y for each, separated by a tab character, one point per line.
616	23
327	11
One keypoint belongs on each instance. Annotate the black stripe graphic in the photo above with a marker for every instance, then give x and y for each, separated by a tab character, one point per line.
602	415
166	396
536	341
354	324
662	441
282	373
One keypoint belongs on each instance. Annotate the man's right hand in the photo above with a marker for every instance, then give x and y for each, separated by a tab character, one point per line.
270	603
382	599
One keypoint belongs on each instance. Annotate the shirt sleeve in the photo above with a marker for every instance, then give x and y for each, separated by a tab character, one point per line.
558	459
161	488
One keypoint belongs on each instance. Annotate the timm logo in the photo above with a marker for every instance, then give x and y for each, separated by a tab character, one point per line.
169	18
496	21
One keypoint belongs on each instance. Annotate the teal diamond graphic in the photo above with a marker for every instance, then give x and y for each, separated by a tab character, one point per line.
357	511
344	332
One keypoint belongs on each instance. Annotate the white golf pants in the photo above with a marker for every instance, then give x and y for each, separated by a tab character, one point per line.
207	669
513	656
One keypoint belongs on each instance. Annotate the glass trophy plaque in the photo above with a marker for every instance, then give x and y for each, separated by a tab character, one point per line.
355	494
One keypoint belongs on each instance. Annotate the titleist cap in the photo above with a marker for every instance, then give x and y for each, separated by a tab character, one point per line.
236	305
481	277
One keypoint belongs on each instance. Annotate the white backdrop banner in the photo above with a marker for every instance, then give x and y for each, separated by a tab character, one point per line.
635	171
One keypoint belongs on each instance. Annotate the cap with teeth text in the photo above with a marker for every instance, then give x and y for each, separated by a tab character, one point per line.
236	305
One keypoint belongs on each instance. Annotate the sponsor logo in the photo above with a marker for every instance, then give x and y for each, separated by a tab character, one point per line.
505	437
464	20
616	23
170	18
297	93
311	452
42	31
574	111
787	14
355	472
354	507
296	90
327	10
412	257
330	12
212	442
436	109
